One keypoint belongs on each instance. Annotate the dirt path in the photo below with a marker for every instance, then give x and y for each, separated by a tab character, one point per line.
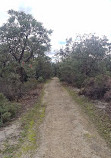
65	132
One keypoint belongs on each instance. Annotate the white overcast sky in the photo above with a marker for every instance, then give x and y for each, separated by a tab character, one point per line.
66	17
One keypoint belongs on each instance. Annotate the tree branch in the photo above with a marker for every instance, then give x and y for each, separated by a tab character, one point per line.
21	55
31	55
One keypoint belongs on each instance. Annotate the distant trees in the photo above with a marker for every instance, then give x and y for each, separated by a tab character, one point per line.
86	61
43	67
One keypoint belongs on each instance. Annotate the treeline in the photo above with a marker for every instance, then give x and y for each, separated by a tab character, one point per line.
23	63
86	64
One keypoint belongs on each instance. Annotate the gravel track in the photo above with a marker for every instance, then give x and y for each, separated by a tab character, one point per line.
66	132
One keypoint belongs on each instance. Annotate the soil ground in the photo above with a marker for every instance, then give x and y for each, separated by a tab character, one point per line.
66	132
11	132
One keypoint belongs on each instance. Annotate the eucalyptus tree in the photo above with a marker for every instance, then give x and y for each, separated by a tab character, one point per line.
24	37
22	33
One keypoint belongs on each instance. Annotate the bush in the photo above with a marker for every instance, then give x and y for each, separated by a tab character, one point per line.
107	96
11	86
43	68
14	89
6	116
98	87
29	85
40	79
7	109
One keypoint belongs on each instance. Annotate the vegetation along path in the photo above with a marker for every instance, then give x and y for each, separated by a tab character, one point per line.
66	132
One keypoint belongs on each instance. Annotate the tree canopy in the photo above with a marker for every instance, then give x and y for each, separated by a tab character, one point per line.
85	57
23	36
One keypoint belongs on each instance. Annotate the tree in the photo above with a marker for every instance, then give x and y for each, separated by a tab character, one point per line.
24	38
22	33
43	67
85	57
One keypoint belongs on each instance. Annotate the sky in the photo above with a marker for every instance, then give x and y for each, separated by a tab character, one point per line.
66	18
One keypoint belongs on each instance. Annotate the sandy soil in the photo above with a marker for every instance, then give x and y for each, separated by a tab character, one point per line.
10	134
66	132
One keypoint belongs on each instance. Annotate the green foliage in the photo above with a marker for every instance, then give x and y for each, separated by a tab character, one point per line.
96	87
69	72
10	84
86	57
22	39
40	79
7	109
24	36
31	83
6	116
43	67
54	69
23	43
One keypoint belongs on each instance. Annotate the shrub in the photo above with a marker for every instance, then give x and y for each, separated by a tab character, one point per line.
29	85
14	89
11	86
6	116
97	87
107	96
7	109
40	79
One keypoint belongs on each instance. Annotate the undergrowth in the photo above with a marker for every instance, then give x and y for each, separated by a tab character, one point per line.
30	124
29	137
100	119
